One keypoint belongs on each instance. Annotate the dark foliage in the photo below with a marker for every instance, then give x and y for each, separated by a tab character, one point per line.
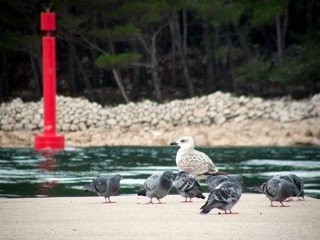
120	51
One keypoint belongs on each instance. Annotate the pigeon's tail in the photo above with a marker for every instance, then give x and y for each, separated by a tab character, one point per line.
142	192
207	207
88	188
205	211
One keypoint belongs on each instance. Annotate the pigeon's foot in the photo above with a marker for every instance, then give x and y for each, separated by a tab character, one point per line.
150	202
230	212
271	205
107	200
283	205
186	201
159	202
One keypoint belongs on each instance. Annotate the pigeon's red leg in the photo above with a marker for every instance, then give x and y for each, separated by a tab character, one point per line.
230	212
109	201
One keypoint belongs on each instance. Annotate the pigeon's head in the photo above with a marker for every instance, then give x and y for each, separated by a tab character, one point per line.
168	174
117	177
184	142
238	178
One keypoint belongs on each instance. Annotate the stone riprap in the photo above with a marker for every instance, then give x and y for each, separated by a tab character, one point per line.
148	123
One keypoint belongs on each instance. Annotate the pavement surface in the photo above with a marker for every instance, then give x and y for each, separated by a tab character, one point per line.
131	218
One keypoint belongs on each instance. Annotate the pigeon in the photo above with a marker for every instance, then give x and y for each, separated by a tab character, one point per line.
192	161
187	186
277	190
157	186
105	186
223	197
214	180
296	181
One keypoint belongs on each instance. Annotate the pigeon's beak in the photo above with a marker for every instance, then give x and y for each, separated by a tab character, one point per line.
173	144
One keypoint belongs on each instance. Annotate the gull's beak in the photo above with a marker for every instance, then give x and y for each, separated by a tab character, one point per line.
173	143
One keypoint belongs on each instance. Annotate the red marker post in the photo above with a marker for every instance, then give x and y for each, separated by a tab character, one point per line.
49	139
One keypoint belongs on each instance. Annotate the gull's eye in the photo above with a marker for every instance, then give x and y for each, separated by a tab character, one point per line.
183	140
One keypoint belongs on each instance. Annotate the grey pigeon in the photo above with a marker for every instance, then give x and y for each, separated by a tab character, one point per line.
192	161
187	186
214	180
223	197
296	181
277	190
157	186
105	186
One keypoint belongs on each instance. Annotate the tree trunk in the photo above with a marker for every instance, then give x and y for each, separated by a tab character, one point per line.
155	70
279	38
117	75
185	31
114	70
71	65
216	61
309	14
93	52
118	79
282	31
37	78
243	41
135	75
208	54
285	27
84	74
173	58
151	50
231	64
175	28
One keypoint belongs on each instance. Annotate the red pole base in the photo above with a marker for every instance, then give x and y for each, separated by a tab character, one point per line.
49	142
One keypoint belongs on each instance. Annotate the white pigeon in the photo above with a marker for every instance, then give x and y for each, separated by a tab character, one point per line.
192	161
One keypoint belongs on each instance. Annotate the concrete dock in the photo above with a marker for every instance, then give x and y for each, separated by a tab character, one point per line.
130	218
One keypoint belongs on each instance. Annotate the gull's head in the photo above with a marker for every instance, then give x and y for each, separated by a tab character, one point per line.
184	142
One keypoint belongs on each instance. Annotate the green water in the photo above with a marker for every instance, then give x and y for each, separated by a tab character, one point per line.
26	173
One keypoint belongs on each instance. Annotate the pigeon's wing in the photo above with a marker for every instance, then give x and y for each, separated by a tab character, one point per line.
184	181
151	182
284	177
271	187
100	185
228	192
214	181
297	181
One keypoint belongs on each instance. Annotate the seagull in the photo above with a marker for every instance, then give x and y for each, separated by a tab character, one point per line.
277	190
296	181
187	186
157	186
214	180
223	197
105	186
192	161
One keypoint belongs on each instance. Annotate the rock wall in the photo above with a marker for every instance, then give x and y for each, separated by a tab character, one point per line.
215	119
